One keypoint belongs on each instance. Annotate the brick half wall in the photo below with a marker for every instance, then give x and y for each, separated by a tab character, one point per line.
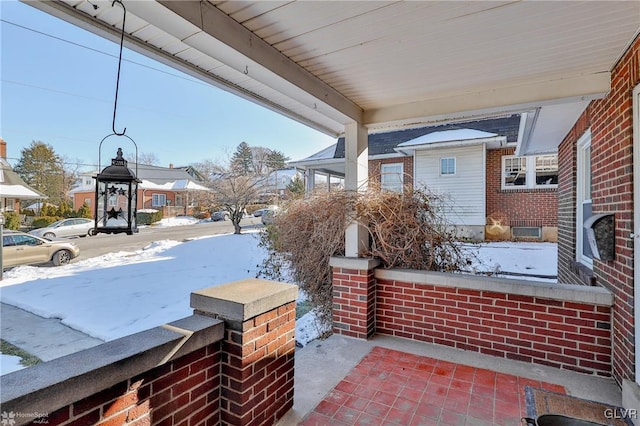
165	375
561	326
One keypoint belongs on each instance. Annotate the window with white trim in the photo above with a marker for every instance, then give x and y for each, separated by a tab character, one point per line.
531	172
158	200
583	199
392	176
448	166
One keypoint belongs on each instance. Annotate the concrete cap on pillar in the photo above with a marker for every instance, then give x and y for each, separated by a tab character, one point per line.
244	299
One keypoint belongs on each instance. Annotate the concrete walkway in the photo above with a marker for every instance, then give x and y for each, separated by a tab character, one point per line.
46	338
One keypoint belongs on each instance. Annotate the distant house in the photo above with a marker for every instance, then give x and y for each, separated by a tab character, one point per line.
490	193
13	189
276	182
173	190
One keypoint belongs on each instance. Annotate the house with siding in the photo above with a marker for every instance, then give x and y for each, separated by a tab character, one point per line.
489	193
173	190
13	190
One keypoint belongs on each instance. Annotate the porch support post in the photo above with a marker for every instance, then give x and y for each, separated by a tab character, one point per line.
356	175
311	180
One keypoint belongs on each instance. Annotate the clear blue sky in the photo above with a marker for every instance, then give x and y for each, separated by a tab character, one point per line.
58	86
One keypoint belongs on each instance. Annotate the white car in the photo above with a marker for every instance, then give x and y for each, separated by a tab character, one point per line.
72	227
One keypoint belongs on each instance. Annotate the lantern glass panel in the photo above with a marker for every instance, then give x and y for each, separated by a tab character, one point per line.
113	204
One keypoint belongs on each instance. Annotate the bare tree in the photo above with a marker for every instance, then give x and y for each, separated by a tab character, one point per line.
206	168
234	191
148	158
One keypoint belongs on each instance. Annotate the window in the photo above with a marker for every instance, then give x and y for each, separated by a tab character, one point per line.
526	232
583	200
392	176
539	171
7	241
158	200
546	170
448	166
514	172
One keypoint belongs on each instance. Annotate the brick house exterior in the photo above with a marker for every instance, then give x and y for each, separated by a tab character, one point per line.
609	121
528	208
531	207
174	190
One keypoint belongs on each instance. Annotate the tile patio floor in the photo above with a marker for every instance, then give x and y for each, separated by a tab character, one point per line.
391	387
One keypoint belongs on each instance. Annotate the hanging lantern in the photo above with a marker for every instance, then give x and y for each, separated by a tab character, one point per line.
116	198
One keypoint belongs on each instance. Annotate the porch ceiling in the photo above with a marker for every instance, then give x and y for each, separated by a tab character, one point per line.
385	64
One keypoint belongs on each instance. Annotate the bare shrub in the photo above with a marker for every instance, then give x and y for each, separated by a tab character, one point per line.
301	239
407	230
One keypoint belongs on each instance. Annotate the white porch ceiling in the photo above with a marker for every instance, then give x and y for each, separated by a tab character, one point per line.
385	64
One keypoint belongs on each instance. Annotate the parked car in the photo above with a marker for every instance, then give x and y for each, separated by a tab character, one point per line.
220	215
260	212
267	216
20	248
73	227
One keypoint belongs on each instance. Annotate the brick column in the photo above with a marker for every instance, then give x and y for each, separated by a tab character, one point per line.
354	296
258	348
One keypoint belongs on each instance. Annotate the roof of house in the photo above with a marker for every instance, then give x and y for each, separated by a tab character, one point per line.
385	143
12	185
161	178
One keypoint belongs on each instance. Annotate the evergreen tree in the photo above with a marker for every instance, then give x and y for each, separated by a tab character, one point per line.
276	160
84	211
296	187
41	168
242	160
48	210
64	210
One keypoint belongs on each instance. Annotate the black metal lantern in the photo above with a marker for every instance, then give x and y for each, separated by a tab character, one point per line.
116	198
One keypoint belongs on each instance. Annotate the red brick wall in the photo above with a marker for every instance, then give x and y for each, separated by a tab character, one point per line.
611	123
353	302
517	207
567	165
374	168
258	365
568	335
182	392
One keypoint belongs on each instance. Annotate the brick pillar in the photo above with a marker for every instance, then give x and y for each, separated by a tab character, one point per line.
354	296
258	348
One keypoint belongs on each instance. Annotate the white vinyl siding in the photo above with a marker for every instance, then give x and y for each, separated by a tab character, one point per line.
464	190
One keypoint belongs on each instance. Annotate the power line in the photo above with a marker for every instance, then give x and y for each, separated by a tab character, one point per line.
73	43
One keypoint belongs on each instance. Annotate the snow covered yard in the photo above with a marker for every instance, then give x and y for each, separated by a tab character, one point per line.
122	293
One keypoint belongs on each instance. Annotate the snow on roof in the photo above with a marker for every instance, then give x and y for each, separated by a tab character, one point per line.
326	154
177	185
19	191
448	136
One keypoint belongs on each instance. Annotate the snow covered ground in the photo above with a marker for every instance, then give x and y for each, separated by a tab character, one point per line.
121	293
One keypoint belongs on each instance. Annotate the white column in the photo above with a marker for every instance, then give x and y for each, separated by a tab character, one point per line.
356	177
311	180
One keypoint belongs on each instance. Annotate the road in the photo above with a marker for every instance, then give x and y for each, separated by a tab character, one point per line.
107	243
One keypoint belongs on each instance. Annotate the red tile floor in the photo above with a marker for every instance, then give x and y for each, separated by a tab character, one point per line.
389	387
